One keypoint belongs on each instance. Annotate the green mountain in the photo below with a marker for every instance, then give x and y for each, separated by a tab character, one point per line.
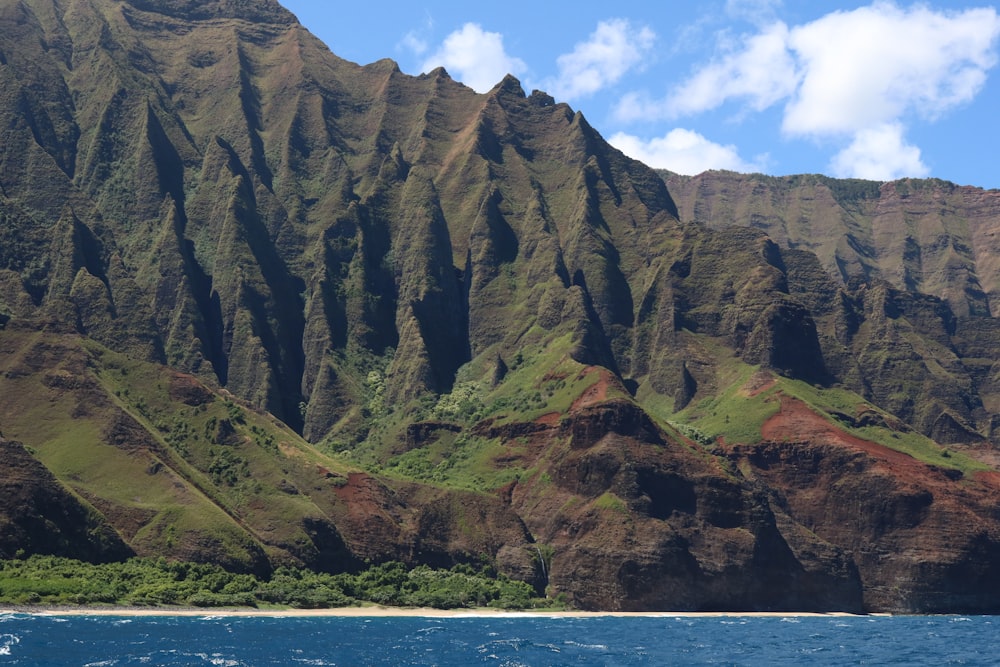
262	306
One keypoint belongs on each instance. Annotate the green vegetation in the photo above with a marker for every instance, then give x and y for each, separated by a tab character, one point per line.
831	401
611	502
464	461
736	413
49	580
541	379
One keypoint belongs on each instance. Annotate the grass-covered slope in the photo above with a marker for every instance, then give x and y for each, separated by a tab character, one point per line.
260	305
175	468
166	466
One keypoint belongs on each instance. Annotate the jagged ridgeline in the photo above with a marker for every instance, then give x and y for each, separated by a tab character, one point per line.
260	306
231	199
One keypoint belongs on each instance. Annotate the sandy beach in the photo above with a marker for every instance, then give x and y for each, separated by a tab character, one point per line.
381	612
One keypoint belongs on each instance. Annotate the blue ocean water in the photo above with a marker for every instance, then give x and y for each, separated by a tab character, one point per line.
102	641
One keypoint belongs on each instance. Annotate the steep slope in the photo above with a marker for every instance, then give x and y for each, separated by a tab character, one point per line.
927	236
262	305
900	278
41	516
292	213
155	460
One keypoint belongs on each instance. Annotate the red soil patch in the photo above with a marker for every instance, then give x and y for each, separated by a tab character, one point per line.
549	419
595	393
795	421
357	491
988	477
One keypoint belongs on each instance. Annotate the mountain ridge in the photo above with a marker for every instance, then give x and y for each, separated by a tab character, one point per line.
304	311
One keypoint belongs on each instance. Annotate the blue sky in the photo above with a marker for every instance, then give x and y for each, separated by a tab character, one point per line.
877	90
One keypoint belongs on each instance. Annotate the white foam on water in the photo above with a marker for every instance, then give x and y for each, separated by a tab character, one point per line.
6	642
217	659
591	647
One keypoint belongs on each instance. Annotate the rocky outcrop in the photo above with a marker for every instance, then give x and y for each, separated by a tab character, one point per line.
636	520
921	541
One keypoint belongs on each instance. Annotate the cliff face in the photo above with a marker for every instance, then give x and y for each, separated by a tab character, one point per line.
902	520
900	278
305	311
926	236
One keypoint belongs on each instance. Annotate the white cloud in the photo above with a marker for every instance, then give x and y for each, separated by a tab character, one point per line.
612	50
416	39
879	154
475	57
762	73
856	76
874	64
683	152
849	70
414	42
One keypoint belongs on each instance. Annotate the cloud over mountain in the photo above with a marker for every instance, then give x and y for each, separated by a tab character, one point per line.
476	57
859	76
615	47
684	152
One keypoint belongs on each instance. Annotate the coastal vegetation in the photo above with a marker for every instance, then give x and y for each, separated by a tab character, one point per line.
156	582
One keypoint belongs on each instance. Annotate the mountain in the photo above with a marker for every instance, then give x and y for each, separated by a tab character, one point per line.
922	253
260	305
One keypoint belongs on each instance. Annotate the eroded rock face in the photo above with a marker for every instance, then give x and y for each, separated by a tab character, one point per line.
923	539
898	279
629	518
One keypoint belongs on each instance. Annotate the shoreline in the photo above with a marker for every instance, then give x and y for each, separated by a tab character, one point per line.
392	612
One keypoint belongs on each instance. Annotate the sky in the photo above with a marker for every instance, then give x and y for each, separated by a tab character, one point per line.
878	90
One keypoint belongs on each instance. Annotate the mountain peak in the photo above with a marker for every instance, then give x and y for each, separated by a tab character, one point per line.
509	85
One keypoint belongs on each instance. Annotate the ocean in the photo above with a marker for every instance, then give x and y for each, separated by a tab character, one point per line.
106	641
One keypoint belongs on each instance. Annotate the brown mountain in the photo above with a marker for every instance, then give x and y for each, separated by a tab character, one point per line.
261	305
917	263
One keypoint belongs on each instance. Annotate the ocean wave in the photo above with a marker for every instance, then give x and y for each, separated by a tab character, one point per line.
590	647
185	642
6	642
